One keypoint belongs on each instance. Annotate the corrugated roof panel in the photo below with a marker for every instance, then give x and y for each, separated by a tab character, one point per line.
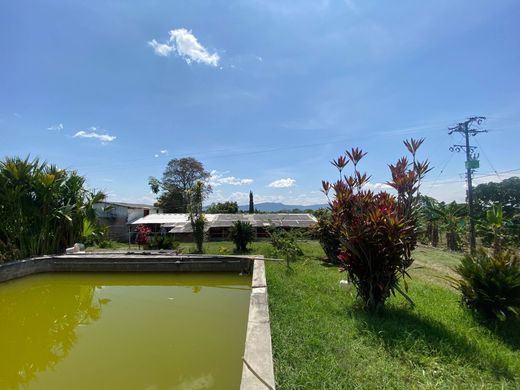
227	220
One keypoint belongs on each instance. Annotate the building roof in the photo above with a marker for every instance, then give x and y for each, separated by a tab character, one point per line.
132	205
180	223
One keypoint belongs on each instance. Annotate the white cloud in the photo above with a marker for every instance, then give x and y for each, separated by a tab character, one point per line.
161	49
377	187
216	179
57	127
164	151
283	183
186	45
156	155
93	134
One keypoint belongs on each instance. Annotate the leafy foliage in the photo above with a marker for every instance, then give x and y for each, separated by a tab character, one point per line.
377	232
507	193
143	235
285	244
449	218
223	208
490	285
429	220
179	177
43	209
198	221
496	229
242	233
327	234
162	242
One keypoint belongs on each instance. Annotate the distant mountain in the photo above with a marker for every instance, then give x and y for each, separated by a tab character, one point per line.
272	207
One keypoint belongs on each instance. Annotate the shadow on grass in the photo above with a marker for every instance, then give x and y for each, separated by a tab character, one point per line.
404	330
508	332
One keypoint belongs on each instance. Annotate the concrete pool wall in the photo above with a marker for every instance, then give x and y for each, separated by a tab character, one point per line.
257	370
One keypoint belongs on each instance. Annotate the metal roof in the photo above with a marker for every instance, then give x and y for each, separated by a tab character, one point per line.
131	205
180	223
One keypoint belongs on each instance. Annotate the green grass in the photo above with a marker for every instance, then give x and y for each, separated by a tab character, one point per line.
323	340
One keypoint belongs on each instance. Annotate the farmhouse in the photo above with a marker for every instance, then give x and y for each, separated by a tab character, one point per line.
218	225
117	216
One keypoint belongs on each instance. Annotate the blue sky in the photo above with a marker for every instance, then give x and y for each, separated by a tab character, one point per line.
264	92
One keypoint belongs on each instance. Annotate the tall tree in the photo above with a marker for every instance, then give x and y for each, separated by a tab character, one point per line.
507	193
178	178
251	203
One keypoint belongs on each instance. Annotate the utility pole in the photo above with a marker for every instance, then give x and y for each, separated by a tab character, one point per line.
472	163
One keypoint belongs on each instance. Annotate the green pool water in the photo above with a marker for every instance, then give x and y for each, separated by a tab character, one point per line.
123	331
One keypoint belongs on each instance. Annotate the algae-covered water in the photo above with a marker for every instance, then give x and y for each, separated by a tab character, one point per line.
123	331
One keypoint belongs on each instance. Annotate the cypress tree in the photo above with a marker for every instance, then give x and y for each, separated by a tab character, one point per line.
251	203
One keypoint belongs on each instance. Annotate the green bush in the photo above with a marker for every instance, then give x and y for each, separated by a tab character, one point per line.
162	242
8	252
285	244
490	285
327	234
44	209
242	233
106	244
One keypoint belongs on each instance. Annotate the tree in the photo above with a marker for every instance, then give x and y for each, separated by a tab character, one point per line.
451	217
251	203
198	222
178	178
223	208
429	218
507	193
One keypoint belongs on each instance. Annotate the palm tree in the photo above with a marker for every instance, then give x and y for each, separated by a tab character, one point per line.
451	219
493	226
42	207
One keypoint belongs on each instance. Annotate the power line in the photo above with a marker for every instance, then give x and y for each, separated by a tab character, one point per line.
472	164
486	157
204	154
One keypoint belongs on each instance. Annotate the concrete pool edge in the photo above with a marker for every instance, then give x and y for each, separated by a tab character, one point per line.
258	369
124	262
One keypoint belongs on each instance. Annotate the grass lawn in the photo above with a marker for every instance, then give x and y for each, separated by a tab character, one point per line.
323	340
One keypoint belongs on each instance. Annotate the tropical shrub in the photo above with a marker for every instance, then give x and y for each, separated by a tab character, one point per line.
285	244
162	242
328	236
490	285
8	252
242	233
106	244
377	231
496	229
43	209
143	235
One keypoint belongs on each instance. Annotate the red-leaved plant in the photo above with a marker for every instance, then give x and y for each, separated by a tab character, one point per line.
377	231
143	233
